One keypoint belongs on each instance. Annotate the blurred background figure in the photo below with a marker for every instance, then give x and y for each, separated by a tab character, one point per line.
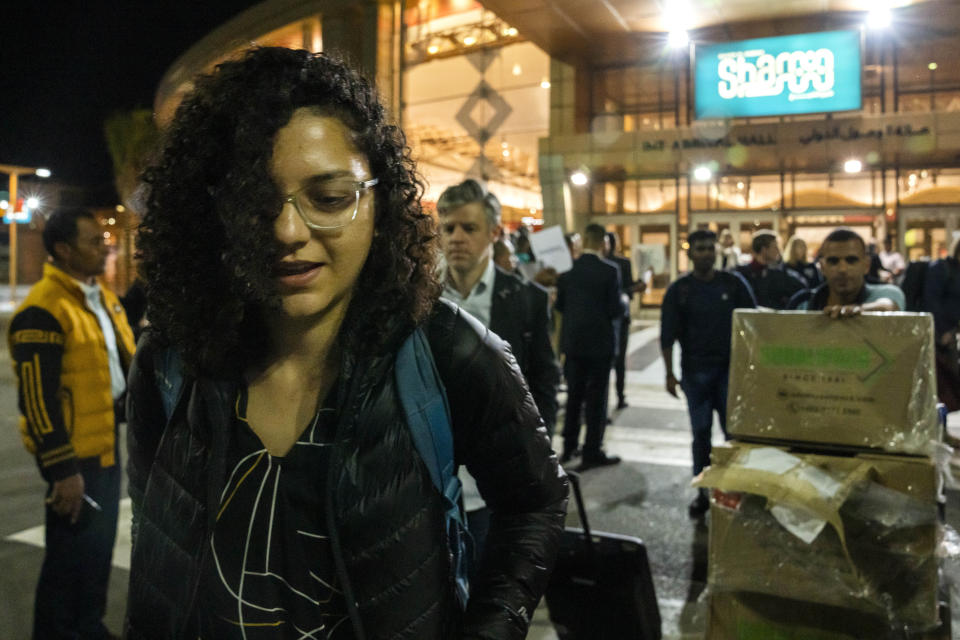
728	253
527	264
503	255
628	287
574	244
941	297
771	284
891	261
797	265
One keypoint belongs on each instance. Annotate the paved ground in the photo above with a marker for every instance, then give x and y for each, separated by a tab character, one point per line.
646	496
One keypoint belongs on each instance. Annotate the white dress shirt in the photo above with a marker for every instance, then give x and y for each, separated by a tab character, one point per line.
479	300
118	382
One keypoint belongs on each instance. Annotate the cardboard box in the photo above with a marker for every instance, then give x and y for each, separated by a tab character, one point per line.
866	382
852	532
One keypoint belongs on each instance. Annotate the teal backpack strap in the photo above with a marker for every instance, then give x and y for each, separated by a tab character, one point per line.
168	371
425	405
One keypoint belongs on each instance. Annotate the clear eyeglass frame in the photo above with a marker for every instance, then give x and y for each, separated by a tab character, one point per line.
359	188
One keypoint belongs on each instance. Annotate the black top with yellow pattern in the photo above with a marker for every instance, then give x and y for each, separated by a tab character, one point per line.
269	571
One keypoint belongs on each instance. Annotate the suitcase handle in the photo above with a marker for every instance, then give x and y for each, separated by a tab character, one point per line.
581	510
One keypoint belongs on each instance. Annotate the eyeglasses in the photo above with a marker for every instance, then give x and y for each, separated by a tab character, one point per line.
329	204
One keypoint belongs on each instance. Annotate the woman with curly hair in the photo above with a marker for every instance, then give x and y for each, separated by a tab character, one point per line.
287	259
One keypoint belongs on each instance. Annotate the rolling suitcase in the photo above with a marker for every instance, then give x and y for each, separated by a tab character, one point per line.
601	588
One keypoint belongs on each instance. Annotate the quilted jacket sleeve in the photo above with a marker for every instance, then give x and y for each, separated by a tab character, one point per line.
36	346
145	421
500	439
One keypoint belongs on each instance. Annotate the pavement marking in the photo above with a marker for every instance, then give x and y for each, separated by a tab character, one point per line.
121	549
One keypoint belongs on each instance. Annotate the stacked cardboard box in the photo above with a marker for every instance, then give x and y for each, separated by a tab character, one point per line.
826	501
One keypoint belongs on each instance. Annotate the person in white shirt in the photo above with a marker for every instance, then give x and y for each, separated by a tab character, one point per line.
891	261
728	253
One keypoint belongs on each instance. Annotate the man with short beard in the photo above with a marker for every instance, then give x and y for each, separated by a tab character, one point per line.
845	292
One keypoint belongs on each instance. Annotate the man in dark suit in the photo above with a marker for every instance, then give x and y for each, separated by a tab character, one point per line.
515	310
588	296
628	287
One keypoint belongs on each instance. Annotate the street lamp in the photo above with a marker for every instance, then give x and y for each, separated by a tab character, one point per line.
14	172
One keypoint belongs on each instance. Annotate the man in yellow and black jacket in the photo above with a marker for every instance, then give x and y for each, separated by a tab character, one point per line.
71	346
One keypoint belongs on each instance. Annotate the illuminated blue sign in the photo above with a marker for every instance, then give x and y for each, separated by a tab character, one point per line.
804	73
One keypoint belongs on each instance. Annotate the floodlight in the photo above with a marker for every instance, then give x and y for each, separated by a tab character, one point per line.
852	166
879	18
678	39
702	173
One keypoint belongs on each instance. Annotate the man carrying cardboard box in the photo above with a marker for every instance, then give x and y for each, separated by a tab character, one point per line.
697	312
845	293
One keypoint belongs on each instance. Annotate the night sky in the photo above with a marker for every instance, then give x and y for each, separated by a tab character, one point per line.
66	65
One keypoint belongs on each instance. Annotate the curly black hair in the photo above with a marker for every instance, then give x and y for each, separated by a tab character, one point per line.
207	242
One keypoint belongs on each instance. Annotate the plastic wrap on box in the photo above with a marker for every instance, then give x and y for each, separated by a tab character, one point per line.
871	521
866	382
752	616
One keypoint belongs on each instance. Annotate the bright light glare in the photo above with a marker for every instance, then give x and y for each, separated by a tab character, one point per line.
702	173
432	49
4	204
932	66
579	178
678	38
544	84
852	166
879	18
43	173
33	203
517	70
469	41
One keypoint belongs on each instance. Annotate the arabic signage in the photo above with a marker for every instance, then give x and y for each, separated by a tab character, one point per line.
814	135
786	75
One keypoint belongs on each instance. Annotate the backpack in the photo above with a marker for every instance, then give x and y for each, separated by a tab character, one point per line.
427	413
914	278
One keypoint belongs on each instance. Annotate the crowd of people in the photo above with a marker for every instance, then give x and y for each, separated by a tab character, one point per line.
288	268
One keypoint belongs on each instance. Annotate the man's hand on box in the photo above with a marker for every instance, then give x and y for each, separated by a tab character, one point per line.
843	310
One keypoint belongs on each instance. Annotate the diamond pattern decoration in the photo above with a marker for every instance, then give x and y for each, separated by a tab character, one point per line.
481	59
501	110
484	169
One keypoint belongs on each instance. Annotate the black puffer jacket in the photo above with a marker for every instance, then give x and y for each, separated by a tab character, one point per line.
385	515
